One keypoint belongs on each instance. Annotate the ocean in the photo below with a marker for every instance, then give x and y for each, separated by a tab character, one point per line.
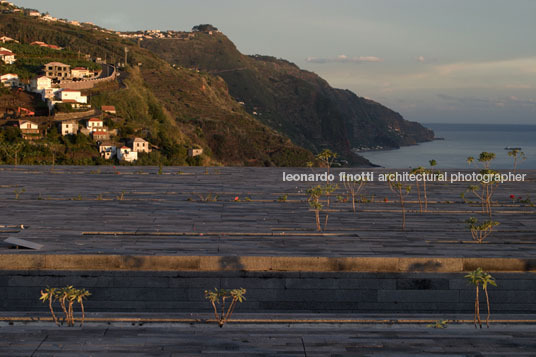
461	141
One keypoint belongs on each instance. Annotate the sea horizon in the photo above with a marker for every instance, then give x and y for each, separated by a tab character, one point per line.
455	142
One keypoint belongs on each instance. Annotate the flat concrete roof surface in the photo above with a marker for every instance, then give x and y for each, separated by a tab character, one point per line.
191	211
243	339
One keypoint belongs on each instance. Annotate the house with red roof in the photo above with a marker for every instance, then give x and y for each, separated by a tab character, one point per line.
9	80
7	56
95	124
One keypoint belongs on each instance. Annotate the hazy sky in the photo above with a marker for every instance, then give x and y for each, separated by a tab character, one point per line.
433	61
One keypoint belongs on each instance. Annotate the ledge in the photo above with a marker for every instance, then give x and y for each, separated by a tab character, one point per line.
261	263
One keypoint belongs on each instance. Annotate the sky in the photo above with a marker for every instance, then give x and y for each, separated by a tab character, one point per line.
433	61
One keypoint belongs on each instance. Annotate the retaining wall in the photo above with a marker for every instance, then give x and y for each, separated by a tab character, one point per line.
272	292
128	284
88	83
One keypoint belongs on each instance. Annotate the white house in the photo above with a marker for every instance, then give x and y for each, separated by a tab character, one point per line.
49	18
34	13
140	145
9	80
95	124
29	130
126	154
80	72
41	83
69	127
28	125
7	56
69	95
107	150
195	152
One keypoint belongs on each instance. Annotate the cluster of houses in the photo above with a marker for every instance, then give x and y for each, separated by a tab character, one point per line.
54	72
101	134
156	34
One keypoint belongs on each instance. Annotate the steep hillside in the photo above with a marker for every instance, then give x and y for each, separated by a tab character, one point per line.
295	102
174	108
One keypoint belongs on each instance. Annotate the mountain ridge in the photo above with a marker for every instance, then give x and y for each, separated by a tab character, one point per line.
295	102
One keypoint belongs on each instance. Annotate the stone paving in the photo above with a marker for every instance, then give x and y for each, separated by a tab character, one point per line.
39	339
133	210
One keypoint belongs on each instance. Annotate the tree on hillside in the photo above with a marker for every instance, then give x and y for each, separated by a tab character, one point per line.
204	28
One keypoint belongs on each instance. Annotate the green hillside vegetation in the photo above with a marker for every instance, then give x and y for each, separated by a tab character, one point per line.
174	109
292	101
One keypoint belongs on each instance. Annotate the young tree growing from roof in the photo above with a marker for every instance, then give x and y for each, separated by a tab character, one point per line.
517	155
353	187
480	231
470	160
421	171
487	187
326	158
401	191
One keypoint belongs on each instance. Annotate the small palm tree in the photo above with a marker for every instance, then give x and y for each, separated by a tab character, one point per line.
516	154
470	160
218	298
487	279
50	295
476	278
81	295
421	171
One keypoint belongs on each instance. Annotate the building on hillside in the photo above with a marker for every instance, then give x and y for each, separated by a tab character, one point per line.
126	154
81	72
74	22
40	83
110	109
34	13
71	94
57	70
49	18
95	124
101	135
107	150
7	56
29	130
68	127
10	80
140	145
5	39
195	152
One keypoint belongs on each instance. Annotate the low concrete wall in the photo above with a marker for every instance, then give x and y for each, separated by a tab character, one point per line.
260	263
136	291
274	284
74	115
